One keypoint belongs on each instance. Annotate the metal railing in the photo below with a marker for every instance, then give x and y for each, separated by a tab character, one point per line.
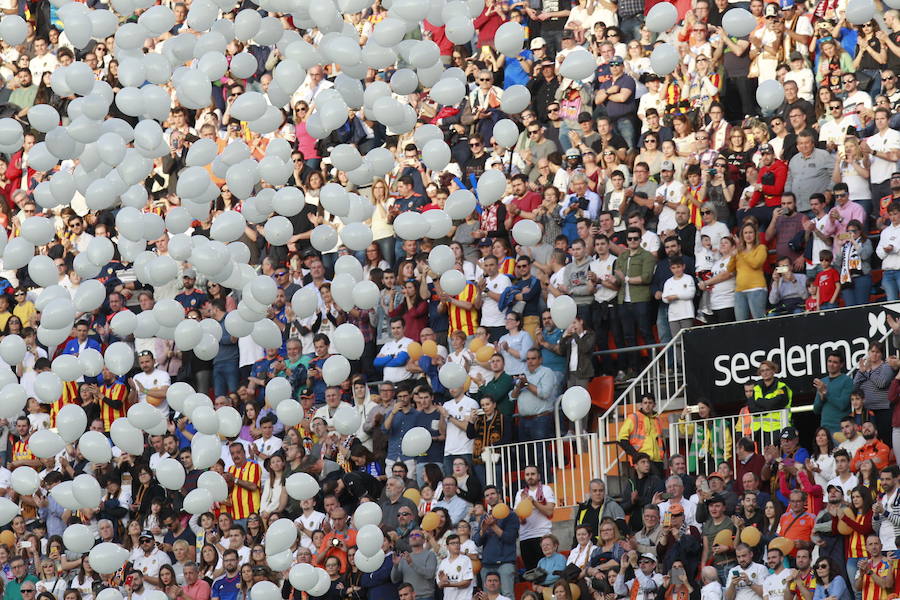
664	377
567	464
707	442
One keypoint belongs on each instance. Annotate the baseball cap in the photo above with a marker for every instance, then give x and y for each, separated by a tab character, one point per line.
537	43
789	433
667	165
796	56
715	474
573	153
771	11
617	60
676	509
648	556
765	149
485	242
189	272
568	34
837	487
715	498
786	4
145	535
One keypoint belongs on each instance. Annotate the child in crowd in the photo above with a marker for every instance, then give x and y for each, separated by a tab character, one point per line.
811	304
827	282
678	292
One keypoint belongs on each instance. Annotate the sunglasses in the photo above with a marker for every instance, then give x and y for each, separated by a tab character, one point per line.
632	238
835	107
533	131
706	212
888	78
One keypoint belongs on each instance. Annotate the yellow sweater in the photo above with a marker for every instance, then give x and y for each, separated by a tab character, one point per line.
748	267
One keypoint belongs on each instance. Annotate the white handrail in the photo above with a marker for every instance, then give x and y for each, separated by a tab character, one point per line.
664	377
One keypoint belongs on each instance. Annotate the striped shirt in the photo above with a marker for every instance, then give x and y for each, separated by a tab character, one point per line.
243	501
112	392
870	589
69	396
508	265
20	451
460	318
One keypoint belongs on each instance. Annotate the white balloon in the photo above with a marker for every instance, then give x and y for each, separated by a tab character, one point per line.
664	57
491	187
578	65
71	421
366	294
441	259
47	387
38	230
280	536
89	296
303	576
304	302
576	403
119	357
95	447
509	38
197	501
13	29
78	538
205	450
87	490
144	415
368	513
335	370
301	486
738	22
411	225
12	349
860	11
516	98
323	238
527	233
415	442
215	484
369	539
369	564
91	362
323	583
25	481
452	376
348	340
170	474
769	94
229	421
44	443
347	420
107	557
661	17
563	311
453	282
126	436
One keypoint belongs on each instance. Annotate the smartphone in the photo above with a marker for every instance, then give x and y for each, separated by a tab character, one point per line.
782	269
128	580
667	519
704	486
676	574
24	544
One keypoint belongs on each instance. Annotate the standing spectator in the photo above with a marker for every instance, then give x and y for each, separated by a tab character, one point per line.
497	538
534	527
833	393
873	378
454	573
417	567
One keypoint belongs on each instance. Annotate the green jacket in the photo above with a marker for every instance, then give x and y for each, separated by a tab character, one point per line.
640	264
499	390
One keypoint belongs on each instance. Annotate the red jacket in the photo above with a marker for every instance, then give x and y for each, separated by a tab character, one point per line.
439	37
487	24
771	194
14	172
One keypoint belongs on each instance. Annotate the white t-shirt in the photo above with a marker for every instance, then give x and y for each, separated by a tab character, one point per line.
685	289
157	378
722	294
536	525
149	565
312	522
600	268
670	192
491	316
393	347
774	584
690	510
458	569
847	486
851	446
457	441
755	572
881	169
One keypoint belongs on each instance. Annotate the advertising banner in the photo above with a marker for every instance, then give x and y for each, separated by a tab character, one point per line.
722	358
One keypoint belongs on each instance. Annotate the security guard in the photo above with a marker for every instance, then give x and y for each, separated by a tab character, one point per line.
191	297
645	431
770	397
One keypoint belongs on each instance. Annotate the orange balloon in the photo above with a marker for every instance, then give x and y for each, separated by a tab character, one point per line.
414	350
842	527
723	538
525	508
476	344
751	536
484	353
413	495
431	521
782	543
8	539
500	511
430	348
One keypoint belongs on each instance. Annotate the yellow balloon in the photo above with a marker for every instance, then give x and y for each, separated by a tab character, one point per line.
484	354
782	543
413	495
431	521
751	536
724	538
476	344
414	350
430	348
500	511
525	508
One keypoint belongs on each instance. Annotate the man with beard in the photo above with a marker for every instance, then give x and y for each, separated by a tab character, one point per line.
829	541
745	581
538	524
886	519
874	449
786	223
779	578
644	431
801	585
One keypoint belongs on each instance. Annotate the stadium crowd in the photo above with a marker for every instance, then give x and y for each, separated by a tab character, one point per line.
662	202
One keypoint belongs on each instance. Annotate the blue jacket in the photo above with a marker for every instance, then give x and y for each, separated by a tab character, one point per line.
72	346
378	583
499	550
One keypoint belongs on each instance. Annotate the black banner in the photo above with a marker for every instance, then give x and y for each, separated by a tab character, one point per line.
722	358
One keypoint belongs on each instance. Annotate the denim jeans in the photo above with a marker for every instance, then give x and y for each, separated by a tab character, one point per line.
507	573
852	569
750	304
859	293
635	317
662	324
225	378
890	281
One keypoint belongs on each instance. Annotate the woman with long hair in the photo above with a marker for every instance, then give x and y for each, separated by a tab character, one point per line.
216	290
852	168
437	539
274	495
824	98
84	579
246	581
860	526
608	544
683	135
374	260
144	489
249	430
829	582
502	251
468	486
873	377
336	589
168	582
363	460
434	476
514	344
868	477
492	428
210	564
820	463
382	230
750	293
871	55
413	309
719	189
771	518
353	576
256	529
51	579
736	154
131	540
854	263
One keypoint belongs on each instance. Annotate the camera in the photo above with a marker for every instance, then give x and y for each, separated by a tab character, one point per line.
335	542
713	172
583	203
